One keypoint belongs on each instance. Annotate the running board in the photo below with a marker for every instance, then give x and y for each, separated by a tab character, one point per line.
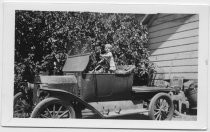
113	114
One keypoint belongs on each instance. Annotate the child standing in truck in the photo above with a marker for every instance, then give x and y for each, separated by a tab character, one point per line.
109	57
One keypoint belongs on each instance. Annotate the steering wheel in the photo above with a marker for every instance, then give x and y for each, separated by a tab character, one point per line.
102	63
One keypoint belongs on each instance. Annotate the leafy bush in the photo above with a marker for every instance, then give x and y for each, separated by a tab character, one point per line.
43	39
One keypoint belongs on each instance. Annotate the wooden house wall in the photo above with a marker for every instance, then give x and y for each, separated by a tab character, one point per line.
173	44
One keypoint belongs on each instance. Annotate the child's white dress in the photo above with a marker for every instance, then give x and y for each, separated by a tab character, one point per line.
111	62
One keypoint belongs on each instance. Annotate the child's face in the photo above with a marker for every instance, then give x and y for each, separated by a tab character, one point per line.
107	49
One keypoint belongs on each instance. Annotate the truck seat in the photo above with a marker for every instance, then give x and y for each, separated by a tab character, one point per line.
125	69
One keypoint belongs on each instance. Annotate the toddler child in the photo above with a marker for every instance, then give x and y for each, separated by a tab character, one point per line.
108	56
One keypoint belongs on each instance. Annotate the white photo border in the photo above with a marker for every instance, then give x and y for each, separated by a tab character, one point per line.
8	65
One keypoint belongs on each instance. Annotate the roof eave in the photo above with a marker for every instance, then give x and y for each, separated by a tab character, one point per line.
148	18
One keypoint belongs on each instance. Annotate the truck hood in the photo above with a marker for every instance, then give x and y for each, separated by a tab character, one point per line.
64	83
56	79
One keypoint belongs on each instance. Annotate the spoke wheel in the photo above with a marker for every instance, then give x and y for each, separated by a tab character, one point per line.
161	107
21	108
53	108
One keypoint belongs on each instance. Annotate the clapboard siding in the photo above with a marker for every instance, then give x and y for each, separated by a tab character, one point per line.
183	41
179	35
184	75
177	49
181	28
174	63
173	23
173	44
178	69
175	56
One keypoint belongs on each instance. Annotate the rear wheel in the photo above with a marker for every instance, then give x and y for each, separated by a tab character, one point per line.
161	107
21	107
53	108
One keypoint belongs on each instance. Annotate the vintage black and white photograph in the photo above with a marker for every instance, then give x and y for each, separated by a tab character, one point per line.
109	66
93	65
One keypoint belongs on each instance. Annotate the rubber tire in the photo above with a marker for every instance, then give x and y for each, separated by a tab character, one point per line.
153	102
48	101
17	97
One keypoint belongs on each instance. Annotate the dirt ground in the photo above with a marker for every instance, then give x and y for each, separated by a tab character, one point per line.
191	116
185	118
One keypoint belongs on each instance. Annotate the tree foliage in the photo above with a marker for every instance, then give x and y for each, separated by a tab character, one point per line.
43	39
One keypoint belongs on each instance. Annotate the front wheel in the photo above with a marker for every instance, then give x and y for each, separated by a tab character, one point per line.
53	108
161	107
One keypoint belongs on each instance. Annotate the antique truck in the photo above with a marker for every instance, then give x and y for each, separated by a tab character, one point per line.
106	95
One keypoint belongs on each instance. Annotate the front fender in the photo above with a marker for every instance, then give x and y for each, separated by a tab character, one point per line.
69	97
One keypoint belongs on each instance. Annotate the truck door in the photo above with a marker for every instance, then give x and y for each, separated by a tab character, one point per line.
112	87
104	85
